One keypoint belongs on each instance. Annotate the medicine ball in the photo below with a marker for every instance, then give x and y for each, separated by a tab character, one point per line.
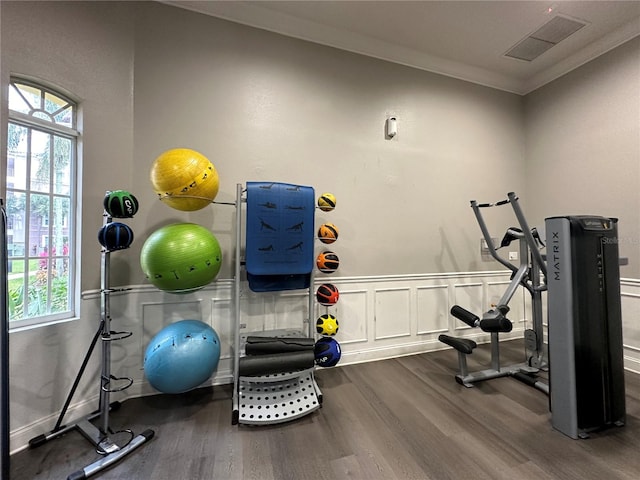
115	236
327	262
327	324
120	204
328	233
327	202
327	352
327	294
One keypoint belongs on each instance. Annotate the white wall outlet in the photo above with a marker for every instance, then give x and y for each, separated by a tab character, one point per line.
513	255
484	249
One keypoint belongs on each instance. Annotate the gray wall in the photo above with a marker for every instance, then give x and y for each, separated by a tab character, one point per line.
87	49
266	107
261	107
582	146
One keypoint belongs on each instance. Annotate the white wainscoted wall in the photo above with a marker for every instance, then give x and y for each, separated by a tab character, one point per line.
380	317
630	291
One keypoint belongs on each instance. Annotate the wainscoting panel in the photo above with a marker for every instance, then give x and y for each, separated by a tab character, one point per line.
393	313
222	322
517	315
352	306
470	297
380	317
432	309
292	310
256	312
157	315
630	293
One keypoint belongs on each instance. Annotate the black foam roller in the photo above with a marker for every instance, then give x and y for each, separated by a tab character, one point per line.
276	363
264	345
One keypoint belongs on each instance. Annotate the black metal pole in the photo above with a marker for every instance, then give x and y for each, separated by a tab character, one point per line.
4	348
76	382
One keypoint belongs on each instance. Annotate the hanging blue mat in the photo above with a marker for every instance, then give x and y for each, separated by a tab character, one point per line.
280	236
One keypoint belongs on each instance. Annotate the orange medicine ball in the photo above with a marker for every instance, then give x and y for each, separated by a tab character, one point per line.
327	262
328	233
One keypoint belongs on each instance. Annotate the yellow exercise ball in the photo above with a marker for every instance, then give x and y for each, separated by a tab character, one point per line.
184	179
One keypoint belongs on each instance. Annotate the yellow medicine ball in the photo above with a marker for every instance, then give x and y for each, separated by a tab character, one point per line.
327	202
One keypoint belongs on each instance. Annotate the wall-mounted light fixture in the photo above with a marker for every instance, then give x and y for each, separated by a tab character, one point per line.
392	127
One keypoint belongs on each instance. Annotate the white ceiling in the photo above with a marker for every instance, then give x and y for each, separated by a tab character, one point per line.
461	39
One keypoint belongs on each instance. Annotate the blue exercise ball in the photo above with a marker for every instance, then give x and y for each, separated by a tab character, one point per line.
181	356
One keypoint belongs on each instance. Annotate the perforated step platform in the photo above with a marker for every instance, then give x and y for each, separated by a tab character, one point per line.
278	398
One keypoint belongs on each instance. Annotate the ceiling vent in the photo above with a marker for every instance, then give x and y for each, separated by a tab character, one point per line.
550	34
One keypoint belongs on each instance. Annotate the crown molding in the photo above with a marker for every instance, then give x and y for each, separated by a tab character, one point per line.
254	15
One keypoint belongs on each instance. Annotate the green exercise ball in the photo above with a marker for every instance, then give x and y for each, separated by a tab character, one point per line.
181	258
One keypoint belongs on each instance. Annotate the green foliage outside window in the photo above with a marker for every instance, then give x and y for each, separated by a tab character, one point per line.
40	203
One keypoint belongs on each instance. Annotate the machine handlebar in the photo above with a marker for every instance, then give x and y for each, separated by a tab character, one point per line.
499	324
465	315
492	321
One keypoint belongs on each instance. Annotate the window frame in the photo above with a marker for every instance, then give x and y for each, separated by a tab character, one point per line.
54	129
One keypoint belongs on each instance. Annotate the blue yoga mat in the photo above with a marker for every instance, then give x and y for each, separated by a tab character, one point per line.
280	235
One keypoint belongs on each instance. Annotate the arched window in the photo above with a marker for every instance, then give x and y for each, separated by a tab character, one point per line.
41	204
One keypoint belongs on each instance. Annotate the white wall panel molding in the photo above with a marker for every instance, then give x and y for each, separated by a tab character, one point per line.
222	323
630	295
469	296
517	305
432	309
415	277
380	317
392	315
352	306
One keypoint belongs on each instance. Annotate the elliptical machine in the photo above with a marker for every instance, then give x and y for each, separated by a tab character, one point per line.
530	273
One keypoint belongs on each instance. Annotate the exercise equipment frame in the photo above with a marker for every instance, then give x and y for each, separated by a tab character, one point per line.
585	325
95	426
4	348
527	274
268	399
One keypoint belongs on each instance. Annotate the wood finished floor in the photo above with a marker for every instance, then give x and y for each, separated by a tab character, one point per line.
403	418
